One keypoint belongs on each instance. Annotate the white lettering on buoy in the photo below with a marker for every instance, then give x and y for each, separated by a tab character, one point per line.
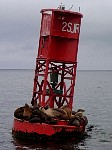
64	26
76	28
70	27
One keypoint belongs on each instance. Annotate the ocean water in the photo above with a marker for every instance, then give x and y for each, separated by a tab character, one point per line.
93	92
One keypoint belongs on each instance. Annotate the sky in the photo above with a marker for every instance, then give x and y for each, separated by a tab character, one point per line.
20	26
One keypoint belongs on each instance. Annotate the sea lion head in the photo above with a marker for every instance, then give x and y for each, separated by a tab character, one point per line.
80	110
27	111
67	109
79	113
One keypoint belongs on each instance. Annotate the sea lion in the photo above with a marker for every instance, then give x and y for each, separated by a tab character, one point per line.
79	113
27	112
84	120
59	113
53	112
73	112
78	119
74	122
68	110
18	113
41	117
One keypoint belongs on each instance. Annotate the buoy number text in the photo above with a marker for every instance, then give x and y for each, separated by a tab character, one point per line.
70	27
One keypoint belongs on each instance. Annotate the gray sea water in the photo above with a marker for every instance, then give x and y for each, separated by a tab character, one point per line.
93	92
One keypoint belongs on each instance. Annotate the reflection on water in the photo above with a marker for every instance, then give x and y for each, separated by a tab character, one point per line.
51	145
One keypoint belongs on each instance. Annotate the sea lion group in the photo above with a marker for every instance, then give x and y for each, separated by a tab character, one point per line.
49	115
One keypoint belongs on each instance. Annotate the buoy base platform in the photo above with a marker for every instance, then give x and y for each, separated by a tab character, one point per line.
42	131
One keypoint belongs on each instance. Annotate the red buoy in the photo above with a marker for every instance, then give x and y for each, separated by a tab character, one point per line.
55	75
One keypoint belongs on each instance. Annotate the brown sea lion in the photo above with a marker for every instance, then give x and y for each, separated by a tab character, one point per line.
41	117
60	113
78	119
84	120
27	112
79	113
18	113
68	110
53	112
74	122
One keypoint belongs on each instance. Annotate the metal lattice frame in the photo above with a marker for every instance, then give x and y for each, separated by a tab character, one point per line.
42	90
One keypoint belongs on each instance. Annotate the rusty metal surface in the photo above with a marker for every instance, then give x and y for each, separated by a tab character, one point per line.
26	128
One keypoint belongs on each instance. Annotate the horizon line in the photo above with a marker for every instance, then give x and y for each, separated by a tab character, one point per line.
34	69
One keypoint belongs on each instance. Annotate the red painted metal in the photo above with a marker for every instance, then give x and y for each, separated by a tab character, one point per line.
59	35
46	129
42	85
58	47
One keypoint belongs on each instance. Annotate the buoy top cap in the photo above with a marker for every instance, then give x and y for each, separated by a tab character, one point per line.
61	10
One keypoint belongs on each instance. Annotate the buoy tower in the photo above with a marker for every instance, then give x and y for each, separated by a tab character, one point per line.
56	60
